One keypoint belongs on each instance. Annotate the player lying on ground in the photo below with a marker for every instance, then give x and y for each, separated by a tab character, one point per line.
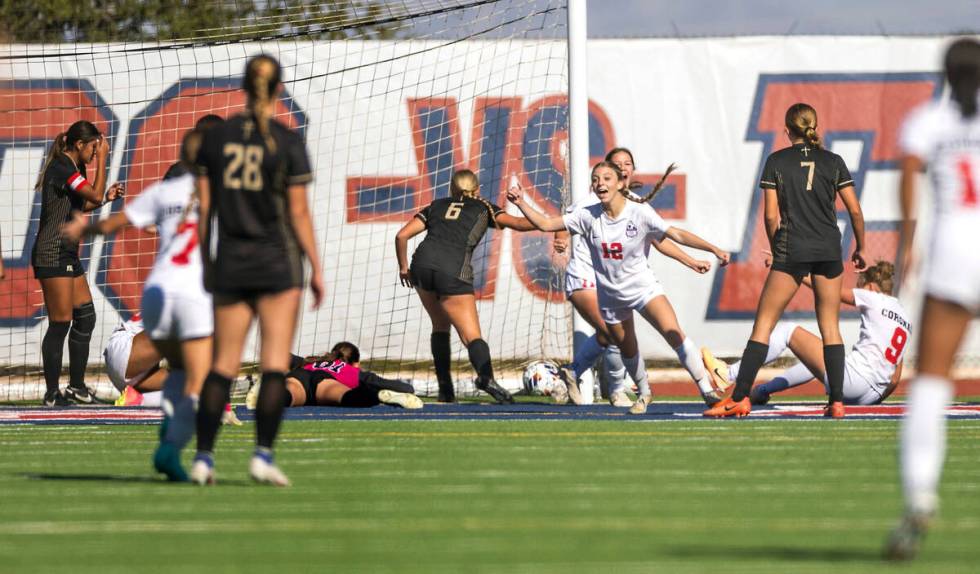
874	367
336	379
619	233
580	290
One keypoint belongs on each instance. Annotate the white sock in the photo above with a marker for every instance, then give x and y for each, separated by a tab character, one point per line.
923	442
612	359
778	342
690	357
152	399
587	353
637	370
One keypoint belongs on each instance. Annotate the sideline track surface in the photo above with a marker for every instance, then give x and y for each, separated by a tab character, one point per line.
663	411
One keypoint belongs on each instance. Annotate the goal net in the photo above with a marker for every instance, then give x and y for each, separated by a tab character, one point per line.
391	98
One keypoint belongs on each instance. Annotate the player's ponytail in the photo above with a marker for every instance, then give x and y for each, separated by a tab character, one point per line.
465	184
57	147
262	76
656	189
801	122
962	64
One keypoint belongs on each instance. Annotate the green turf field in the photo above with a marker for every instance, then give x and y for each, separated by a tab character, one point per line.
463	496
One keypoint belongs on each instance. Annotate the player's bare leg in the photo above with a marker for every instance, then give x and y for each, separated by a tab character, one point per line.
624	336
461	310
440	344
923	432
660	313
826	292
806	346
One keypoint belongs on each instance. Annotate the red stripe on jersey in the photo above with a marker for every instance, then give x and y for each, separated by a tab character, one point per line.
76	181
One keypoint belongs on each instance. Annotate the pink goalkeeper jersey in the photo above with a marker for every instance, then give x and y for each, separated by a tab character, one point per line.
338	370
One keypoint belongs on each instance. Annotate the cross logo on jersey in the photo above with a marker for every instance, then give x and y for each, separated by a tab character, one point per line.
38	111
862	109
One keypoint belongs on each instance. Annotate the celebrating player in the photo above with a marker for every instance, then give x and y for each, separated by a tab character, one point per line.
336	379
945	138
442	274
580	289
252	176
64	187
873	368
801	185
619	233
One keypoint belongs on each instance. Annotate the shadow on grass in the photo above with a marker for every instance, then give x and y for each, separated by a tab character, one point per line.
133	478
779	553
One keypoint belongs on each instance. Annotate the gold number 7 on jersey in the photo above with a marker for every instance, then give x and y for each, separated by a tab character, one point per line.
812	166
454	210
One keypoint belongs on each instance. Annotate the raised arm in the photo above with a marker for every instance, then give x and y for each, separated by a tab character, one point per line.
79	225
94	192
516	223
540	221
408	231
691	240
671	249
853	207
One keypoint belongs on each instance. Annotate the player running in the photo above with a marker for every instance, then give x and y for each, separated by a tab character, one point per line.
801	185
872	370
619	233
256	228
580	290
64	188
944	137
442	275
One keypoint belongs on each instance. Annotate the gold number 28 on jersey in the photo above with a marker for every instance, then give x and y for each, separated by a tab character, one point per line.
244	167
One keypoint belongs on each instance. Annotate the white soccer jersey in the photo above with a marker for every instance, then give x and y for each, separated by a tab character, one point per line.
882	340
950	145
619	249
117	350
178	263
579	273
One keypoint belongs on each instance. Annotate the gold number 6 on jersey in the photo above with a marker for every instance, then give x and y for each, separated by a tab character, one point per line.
248	159
811	165
454	210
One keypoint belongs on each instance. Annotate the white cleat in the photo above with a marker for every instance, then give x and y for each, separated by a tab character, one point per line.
403	400
640	406
252	396
571	384
202	473
620	399
264	472
230	418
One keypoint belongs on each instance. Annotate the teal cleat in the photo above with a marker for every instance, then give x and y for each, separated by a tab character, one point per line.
166	460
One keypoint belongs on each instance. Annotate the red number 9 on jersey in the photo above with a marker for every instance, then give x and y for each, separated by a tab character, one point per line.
612	250
894	352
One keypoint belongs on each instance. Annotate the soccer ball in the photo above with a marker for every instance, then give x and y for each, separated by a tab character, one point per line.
540	377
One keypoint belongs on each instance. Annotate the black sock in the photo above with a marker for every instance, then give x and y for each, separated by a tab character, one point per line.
287	399
753	357
82	325
480	358
268	411
52	351
214	397
377	382
442	357
833	360
360	397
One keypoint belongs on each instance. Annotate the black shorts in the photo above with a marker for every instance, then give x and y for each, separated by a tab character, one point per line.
439	282
69	265
801	269
243	295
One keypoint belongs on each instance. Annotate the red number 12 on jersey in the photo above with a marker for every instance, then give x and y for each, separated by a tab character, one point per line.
612	250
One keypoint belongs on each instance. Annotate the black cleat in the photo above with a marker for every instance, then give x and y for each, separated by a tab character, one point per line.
490	387
55	399
447	393
79	394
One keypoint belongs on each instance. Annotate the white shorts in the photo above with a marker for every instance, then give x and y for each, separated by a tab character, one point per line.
620	313
857	391
174	314
116	354
954	264
577	282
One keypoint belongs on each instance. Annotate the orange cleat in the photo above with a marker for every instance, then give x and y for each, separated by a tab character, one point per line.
730	408
834	410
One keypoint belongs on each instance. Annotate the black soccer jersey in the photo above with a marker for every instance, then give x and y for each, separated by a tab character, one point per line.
454	228
59	184
256	246
806	180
